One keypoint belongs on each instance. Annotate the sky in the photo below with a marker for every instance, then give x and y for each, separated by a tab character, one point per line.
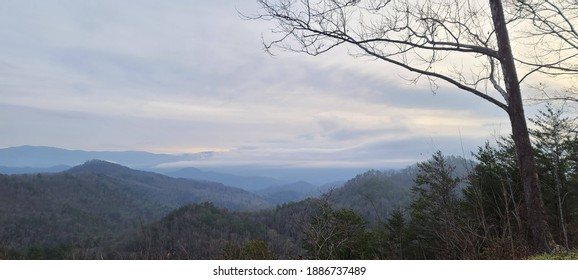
181	76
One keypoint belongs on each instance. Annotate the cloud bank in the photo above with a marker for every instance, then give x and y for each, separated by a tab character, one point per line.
191	76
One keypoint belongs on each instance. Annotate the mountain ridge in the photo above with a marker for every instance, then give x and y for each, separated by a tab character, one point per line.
44	156
42	159
98	200
250	183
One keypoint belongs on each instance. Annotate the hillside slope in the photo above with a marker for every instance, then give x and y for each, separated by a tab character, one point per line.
90	203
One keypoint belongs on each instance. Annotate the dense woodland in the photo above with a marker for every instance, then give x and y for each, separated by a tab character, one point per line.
444	208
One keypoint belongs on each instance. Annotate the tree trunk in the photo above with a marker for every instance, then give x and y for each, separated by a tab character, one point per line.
559	189
540	236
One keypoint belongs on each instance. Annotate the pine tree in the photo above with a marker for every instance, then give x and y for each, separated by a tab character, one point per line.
434	209
554	137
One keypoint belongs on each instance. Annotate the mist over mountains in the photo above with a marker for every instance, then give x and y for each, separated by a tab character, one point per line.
45	157
245	182
99	203
101	209
289	184
36	159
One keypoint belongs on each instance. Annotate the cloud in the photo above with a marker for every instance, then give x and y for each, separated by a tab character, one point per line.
178	76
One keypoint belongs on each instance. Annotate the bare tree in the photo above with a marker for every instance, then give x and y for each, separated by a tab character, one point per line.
433	39
554	35
552	42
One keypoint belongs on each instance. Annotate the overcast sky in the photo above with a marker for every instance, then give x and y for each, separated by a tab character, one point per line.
191	76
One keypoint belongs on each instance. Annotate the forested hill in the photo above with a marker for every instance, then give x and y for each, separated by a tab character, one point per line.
173	192
98	199
376	194
203	231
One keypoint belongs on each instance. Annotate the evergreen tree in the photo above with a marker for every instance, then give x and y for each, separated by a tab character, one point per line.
493	203
338	234
554	137
434	209
396	236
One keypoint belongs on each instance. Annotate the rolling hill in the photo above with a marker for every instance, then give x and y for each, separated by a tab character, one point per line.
97	200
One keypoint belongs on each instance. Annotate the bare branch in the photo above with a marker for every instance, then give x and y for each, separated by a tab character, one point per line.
413	36
440	76
554	33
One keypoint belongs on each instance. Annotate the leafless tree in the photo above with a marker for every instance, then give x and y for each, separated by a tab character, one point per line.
552	42
554	35
463	43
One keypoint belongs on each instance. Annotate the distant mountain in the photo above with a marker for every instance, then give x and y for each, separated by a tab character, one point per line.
98	200
43	157
297	191
289	192
275	191
30	170
329	187
250	183
40	159
314	175
173	191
